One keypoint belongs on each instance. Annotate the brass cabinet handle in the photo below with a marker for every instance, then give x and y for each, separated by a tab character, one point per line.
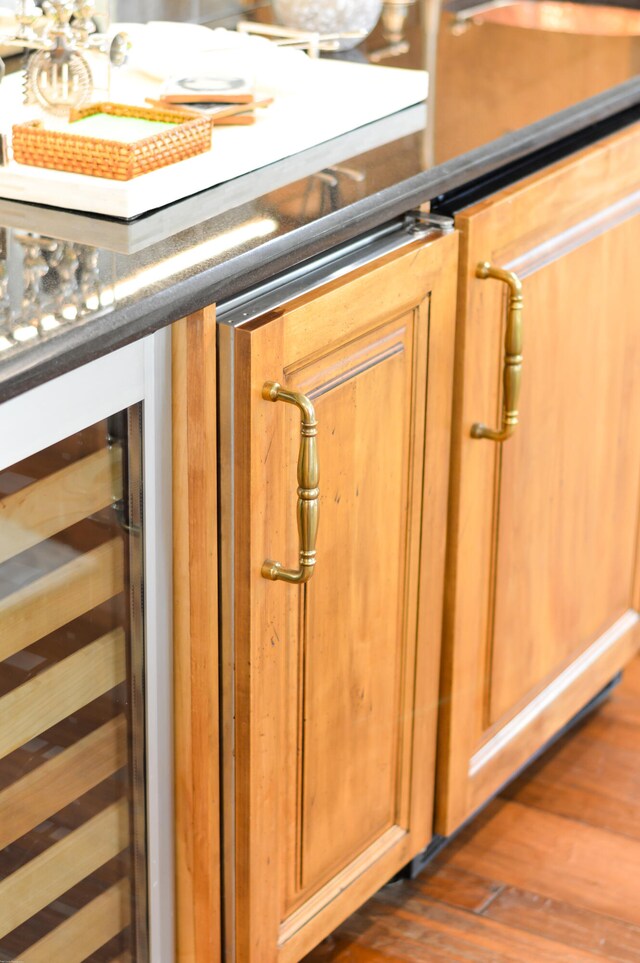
512	355
308	491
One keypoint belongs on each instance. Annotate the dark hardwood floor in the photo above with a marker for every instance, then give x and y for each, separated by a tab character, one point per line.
548	873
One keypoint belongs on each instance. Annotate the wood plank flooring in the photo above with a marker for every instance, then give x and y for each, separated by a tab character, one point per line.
548	873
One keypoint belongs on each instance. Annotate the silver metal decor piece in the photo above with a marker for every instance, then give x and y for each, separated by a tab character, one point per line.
354	17
58	80
60	37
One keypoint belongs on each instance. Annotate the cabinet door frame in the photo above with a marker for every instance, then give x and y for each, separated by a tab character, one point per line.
554	214
254	785
30	422
195	642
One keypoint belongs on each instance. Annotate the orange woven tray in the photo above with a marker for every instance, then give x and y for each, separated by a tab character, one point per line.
58	150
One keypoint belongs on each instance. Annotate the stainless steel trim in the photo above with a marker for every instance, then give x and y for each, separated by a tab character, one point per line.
437	222
132	520
327	267
159	643
227	482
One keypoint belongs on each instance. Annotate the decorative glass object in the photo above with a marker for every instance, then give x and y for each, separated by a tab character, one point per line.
67	40
354	18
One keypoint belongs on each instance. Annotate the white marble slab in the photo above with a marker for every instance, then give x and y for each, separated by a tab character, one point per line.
328	98
127	237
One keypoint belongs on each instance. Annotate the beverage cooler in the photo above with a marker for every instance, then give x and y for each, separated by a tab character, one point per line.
85	687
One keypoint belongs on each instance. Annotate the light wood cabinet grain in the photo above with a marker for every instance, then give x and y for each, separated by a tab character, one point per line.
329	763
195	640
542	580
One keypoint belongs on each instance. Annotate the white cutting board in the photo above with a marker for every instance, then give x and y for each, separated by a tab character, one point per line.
328	98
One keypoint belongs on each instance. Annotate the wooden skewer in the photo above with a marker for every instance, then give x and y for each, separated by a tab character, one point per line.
234	120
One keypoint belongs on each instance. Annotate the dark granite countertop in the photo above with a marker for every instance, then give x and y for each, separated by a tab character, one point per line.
73	286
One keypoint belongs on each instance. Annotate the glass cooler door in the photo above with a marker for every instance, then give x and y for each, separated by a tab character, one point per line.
73	879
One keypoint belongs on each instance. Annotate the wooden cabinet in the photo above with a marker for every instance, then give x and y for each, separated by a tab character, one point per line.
195	640
543	586
330	687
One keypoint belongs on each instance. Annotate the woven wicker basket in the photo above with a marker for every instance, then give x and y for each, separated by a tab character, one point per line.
37	147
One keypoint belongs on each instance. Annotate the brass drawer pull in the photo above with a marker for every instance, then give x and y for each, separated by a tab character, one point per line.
512	355
308	491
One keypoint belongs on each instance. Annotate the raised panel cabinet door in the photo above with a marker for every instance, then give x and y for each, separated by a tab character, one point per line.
334	680
542	600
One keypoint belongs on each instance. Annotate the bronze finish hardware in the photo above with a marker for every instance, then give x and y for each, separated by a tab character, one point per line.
512	355
308	491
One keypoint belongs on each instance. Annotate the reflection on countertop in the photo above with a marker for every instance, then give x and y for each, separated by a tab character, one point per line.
494	78
45	284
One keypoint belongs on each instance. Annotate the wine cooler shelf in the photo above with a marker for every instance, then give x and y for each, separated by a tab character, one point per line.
72	757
